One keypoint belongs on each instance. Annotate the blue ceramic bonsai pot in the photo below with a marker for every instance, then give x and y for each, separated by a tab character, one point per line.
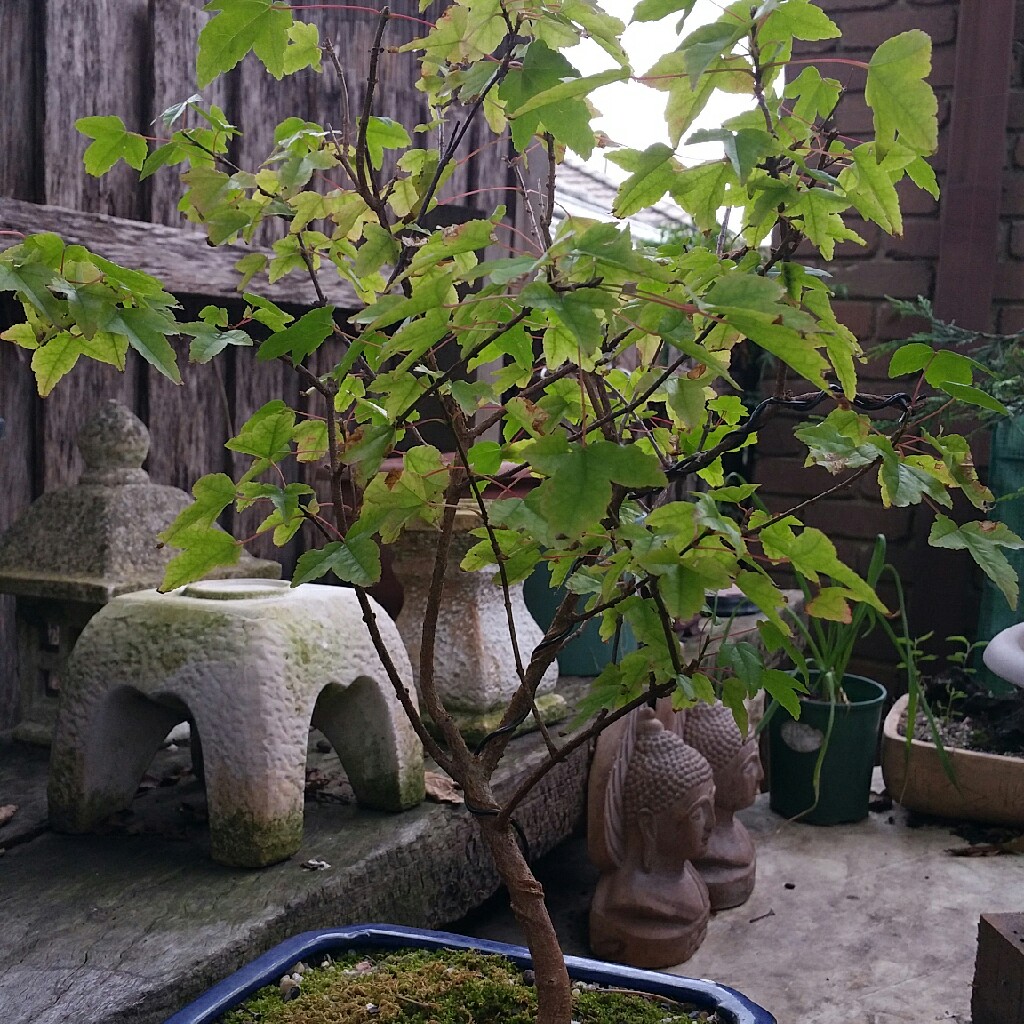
268	969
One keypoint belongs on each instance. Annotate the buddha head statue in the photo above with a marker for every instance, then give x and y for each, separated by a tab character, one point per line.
712	730
668	799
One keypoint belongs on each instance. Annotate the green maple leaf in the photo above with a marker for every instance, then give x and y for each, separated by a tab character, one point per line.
869	184
213	493
202	551
384	133
839	442
355	560
106	348
579	486
700	191
266	435
709	42
303	50
53	360
655	10
815	96
568	119
113	142
240	26
760	589
906	479
654	170
812	555
30	281
209	341
146	330
901	101
302	338
984	541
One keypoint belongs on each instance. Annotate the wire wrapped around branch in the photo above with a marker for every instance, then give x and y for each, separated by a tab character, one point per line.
803	403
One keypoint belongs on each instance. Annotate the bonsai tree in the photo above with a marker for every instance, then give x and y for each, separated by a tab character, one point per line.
602	444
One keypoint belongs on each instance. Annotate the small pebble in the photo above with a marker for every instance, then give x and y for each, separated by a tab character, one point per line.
789	885
299	969
323	746
289	989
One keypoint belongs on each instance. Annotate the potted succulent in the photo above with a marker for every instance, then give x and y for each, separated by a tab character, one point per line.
603	443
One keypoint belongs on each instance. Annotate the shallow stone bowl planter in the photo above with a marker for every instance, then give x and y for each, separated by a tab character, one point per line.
990	787
732	1006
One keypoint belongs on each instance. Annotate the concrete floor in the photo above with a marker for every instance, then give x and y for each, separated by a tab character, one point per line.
874	923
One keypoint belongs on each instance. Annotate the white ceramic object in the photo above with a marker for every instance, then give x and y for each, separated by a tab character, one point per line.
253	663
1004	654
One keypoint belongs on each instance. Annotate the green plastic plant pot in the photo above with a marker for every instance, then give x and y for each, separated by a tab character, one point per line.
587	654
794	746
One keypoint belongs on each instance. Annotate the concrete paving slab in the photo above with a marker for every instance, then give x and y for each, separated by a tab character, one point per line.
873	923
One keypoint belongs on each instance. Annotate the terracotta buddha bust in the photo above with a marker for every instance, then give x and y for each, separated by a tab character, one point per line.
730	863
651	909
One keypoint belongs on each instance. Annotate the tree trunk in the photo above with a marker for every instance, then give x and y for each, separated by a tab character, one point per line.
554	992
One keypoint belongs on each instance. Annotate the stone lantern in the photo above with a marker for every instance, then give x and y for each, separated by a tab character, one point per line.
77	548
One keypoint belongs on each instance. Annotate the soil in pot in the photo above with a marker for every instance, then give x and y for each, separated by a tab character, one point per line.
449	987
968	716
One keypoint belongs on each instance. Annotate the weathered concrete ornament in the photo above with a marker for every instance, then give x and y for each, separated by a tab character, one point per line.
252	663
475	664
78	547
651	907
730	864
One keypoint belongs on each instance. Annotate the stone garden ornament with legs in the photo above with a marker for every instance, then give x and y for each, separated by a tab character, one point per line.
252	663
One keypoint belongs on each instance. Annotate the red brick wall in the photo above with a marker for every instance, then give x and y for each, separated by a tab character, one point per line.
943	587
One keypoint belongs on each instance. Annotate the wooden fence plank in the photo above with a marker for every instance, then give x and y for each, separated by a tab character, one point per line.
20	23
180	258
188	425
18	409
174	30
97	63
253	384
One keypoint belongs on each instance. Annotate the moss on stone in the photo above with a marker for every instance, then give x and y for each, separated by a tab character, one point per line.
474	726
239	840
450	987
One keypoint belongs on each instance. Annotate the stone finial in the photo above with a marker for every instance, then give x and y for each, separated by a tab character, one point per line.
114	443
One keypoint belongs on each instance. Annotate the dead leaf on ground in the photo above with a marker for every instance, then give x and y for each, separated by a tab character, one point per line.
441	789
7	811
1015	845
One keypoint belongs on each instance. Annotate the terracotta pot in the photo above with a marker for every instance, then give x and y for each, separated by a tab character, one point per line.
990	787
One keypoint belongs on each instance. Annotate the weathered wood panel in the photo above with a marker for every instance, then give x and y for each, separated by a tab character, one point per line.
179	257
20	22
18	409
188	425
97	63
252	385
174	30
